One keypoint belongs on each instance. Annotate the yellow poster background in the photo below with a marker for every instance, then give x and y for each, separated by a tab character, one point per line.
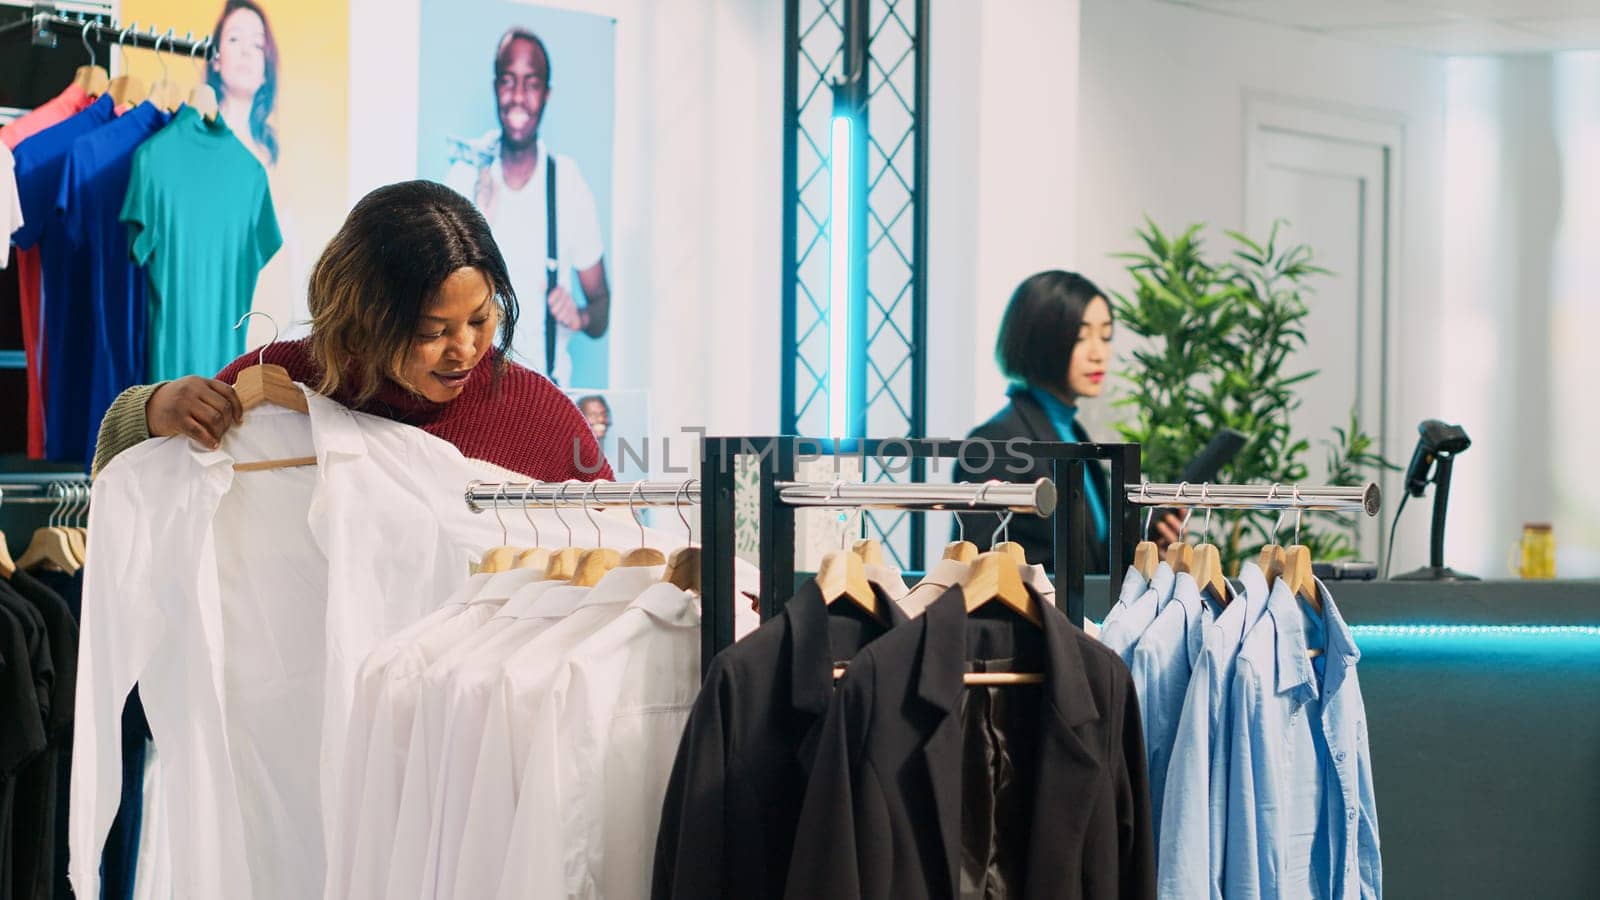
311	114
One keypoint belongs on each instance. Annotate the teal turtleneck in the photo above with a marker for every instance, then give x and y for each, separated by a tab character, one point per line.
1064	416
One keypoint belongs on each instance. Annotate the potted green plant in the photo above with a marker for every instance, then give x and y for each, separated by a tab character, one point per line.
1221	336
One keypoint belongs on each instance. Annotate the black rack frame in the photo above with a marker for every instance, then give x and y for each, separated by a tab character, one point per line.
778	455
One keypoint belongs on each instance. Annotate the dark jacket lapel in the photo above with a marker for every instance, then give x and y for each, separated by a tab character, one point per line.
810	666
940	665
1069	767
812	657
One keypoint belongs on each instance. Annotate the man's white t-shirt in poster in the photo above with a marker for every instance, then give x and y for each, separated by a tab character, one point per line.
517	218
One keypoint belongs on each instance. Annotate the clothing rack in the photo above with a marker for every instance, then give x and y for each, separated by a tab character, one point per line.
780	496
483	496
1329	498
49	26
62	489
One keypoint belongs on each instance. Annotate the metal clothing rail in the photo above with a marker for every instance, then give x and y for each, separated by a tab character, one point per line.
485	495
43	487
48	28
780	496
1038	498
1334	498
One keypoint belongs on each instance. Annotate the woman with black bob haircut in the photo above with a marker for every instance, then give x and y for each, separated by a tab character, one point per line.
1054	347
406	303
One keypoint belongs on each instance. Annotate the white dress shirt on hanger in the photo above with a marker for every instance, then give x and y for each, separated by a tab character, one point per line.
603	739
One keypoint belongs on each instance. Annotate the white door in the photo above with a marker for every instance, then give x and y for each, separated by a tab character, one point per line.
1333	194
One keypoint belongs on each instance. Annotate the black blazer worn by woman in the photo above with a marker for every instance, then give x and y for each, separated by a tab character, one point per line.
1023	418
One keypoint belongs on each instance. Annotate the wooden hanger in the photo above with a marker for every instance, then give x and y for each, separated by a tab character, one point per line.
1146	555
870	551
1008	547
265	383
127	89
683	565
77	535
1013	550
1297	568
596	562
843	576
961	551
166	93
202	98
1297	565
994	577
1206	564
563	563
683	569
1180	556
535	557
1271	560
640	556
92	78
50	546
1207	572
502	558
593	566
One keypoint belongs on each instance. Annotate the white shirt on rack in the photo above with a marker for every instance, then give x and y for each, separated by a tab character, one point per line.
385	709
576	613
242	605
603	738
482	821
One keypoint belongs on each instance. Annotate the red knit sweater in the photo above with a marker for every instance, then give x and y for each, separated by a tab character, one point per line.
522	423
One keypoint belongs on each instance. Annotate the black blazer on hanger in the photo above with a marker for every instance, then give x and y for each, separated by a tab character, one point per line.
1023	418
727	823
883	813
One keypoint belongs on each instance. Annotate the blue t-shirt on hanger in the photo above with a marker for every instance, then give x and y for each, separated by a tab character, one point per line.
40	160
102	329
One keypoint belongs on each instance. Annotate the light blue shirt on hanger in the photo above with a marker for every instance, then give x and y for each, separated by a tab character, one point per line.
1163	660
1302	817
1194	802
1129	618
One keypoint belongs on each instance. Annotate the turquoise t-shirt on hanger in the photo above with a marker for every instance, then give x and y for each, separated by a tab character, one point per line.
200	219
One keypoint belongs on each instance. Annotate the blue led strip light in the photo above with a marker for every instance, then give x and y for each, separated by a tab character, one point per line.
1447	631
1441	631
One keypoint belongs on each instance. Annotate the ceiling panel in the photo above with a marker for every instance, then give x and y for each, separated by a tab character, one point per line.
1449	27
1466	38
1570	33
1510	9
1319	14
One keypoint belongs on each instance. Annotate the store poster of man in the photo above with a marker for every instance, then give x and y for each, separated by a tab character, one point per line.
507	173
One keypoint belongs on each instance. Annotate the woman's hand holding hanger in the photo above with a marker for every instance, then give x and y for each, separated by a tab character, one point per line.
203	409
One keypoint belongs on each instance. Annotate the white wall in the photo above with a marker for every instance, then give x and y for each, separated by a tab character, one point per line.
1521	227
1161	131
698	187
1002	118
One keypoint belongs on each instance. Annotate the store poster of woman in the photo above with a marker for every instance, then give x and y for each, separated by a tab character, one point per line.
280	73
